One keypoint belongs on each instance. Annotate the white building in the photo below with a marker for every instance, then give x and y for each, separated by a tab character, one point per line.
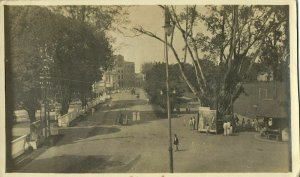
109	82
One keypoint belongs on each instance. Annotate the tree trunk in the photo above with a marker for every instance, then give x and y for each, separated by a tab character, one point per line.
31	115
225	104
64	106
83	100
66	99
31	104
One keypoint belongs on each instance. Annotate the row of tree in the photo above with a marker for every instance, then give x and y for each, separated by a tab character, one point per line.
72	40
155	84
235	39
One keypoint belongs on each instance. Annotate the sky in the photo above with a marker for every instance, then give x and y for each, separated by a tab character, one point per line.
141	49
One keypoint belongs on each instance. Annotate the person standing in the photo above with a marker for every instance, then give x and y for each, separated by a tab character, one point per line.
176	142
243	123
256	125
253	125
270	122
229	128
225	128
248	126
93	111
194	123
191	124
207	128
233	124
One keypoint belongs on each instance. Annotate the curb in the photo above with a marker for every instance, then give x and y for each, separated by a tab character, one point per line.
257	137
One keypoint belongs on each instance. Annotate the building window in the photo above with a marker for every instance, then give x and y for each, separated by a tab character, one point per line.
263	94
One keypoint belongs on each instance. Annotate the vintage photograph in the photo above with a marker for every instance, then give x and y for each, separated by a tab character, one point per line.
147	89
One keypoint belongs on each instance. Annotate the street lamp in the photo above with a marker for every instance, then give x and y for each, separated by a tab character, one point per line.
168	27
168	31
44	82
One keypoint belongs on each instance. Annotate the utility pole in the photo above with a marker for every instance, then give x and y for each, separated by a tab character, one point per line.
168	30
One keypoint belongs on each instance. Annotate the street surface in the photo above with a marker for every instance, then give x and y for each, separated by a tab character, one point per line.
99	145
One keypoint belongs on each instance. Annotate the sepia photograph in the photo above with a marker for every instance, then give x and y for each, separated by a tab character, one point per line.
150	88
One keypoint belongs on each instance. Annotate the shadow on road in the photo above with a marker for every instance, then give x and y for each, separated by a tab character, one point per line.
119	137
73	164
72	135
101	130
181	150
81	164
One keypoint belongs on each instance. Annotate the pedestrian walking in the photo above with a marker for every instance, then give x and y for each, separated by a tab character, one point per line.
191	123
176	142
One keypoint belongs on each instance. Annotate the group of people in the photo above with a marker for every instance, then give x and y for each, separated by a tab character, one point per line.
251	125
228	128
192	123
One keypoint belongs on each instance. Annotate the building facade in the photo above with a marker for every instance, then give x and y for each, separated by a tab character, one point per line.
125	72
109	82
122	75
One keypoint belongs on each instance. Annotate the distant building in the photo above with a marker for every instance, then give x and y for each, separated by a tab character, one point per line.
125	72
122	75
107	82
139	79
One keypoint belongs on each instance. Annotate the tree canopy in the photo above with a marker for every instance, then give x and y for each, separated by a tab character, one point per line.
73	50
233	38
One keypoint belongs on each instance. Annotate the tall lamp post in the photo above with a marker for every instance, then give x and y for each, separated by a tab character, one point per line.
45	83
168	31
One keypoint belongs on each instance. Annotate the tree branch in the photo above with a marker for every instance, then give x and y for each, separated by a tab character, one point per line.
148	33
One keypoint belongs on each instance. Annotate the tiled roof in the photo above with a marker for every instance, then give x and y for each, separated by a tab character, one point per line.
273	103
272	108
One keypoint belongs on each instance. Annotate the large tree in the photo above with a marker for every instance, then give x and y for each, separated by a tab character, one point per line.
28	28
233	39
99	20
73	51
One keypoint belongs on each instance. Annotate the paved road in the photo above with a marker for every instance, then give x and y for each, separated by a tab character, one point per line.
98	145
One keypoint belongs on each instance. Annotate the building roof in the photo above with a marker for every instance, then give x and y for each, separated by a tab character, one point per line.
264	99
273	109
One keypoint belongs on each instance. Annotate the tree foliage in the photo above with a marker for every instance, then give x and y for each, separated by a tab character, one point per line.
155	84
74	53
101	18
